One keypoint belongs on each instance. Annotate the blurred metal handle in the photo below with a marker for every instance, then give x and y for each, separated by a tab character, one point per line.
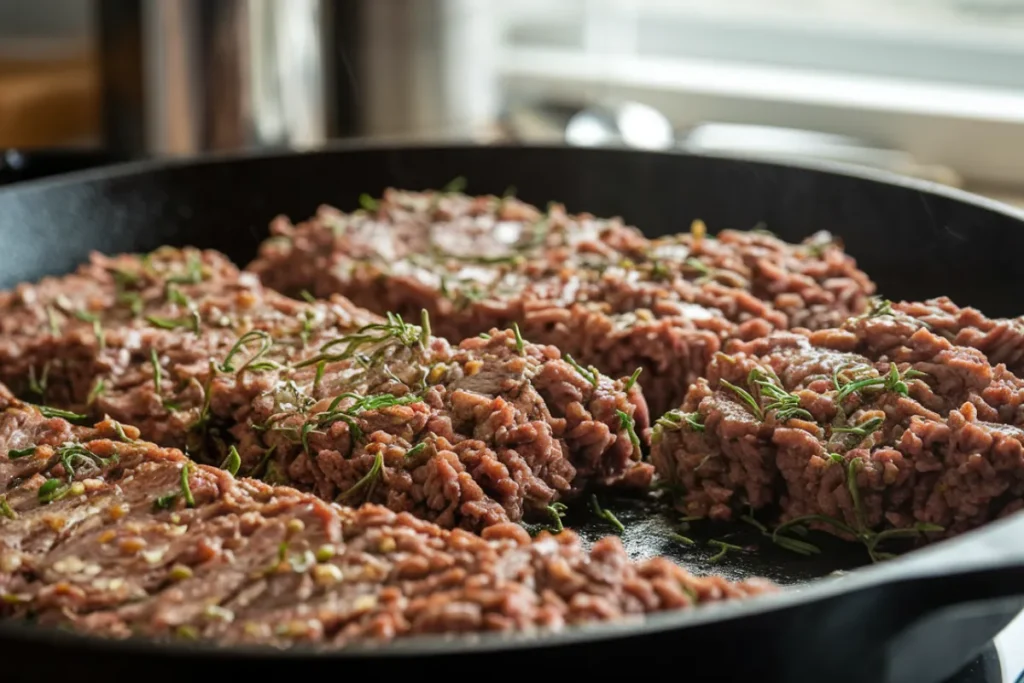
215	74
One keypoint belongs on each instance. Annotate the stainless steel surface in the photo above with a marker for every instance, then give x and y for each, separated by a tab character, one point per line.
227	74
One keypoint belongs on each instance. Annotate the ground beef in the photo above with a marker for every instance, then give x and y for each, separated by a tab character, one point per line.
490	431
1000	339
480	262
134	539
105	293
176	358
497	433
933	435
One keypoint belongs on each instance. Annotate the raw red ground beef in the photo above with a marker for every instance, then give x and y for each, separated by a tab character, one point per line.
113	536
880	424
593	287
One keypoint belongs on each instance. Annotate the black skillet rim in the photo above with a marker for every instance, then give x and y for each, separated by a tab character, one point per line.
920	564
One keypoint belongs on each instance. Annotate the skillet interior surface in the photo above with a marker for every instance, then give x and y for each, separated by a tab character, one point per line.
913	243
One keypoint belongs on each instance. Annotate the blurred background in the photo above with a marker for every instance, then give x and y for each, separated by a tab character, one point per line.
933	88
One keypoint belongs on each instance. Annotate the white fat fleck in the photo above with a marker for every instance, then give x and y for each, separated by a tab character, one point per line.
585	231
696	312
379	239
176	530
569	291
10	562
72	564
406	268
153	556
476	274
671	252
247	279
508	232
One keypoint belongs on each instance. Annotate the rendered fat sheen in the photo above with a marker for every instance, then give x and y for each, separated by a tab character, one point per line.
471	363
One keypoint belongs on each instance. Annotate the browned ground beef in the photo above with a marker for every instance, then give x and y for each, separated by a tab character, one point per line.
933	435
494	432
595	288
134	539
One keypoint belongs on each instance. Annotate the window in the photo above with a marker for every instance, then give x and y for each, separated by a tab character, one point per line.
935	82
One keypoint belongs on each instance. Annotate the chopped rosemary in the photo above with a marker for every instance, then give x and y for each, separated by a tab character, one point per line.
165	502
5	508
879	307
606	514
119	430
37	384
746	398
368	481
631	382
232	462
457	184
627	422
724	548
76	458
785	404
175	296
556	511
320	367
685	540
590	373
892	381
48	412
520	344
862	533
133	300
659	271
16	453
97	390
792	544
52	321
373	334
254	472
416	450
97	326
52	490
254	362
862	430
157	376
191	321
193	273
186	490
701	268
675	419
424	329
307	296
369	203
484	335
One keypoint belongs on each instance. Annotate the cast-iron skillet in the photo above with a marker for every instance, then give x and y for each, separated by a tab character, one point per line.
917	618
